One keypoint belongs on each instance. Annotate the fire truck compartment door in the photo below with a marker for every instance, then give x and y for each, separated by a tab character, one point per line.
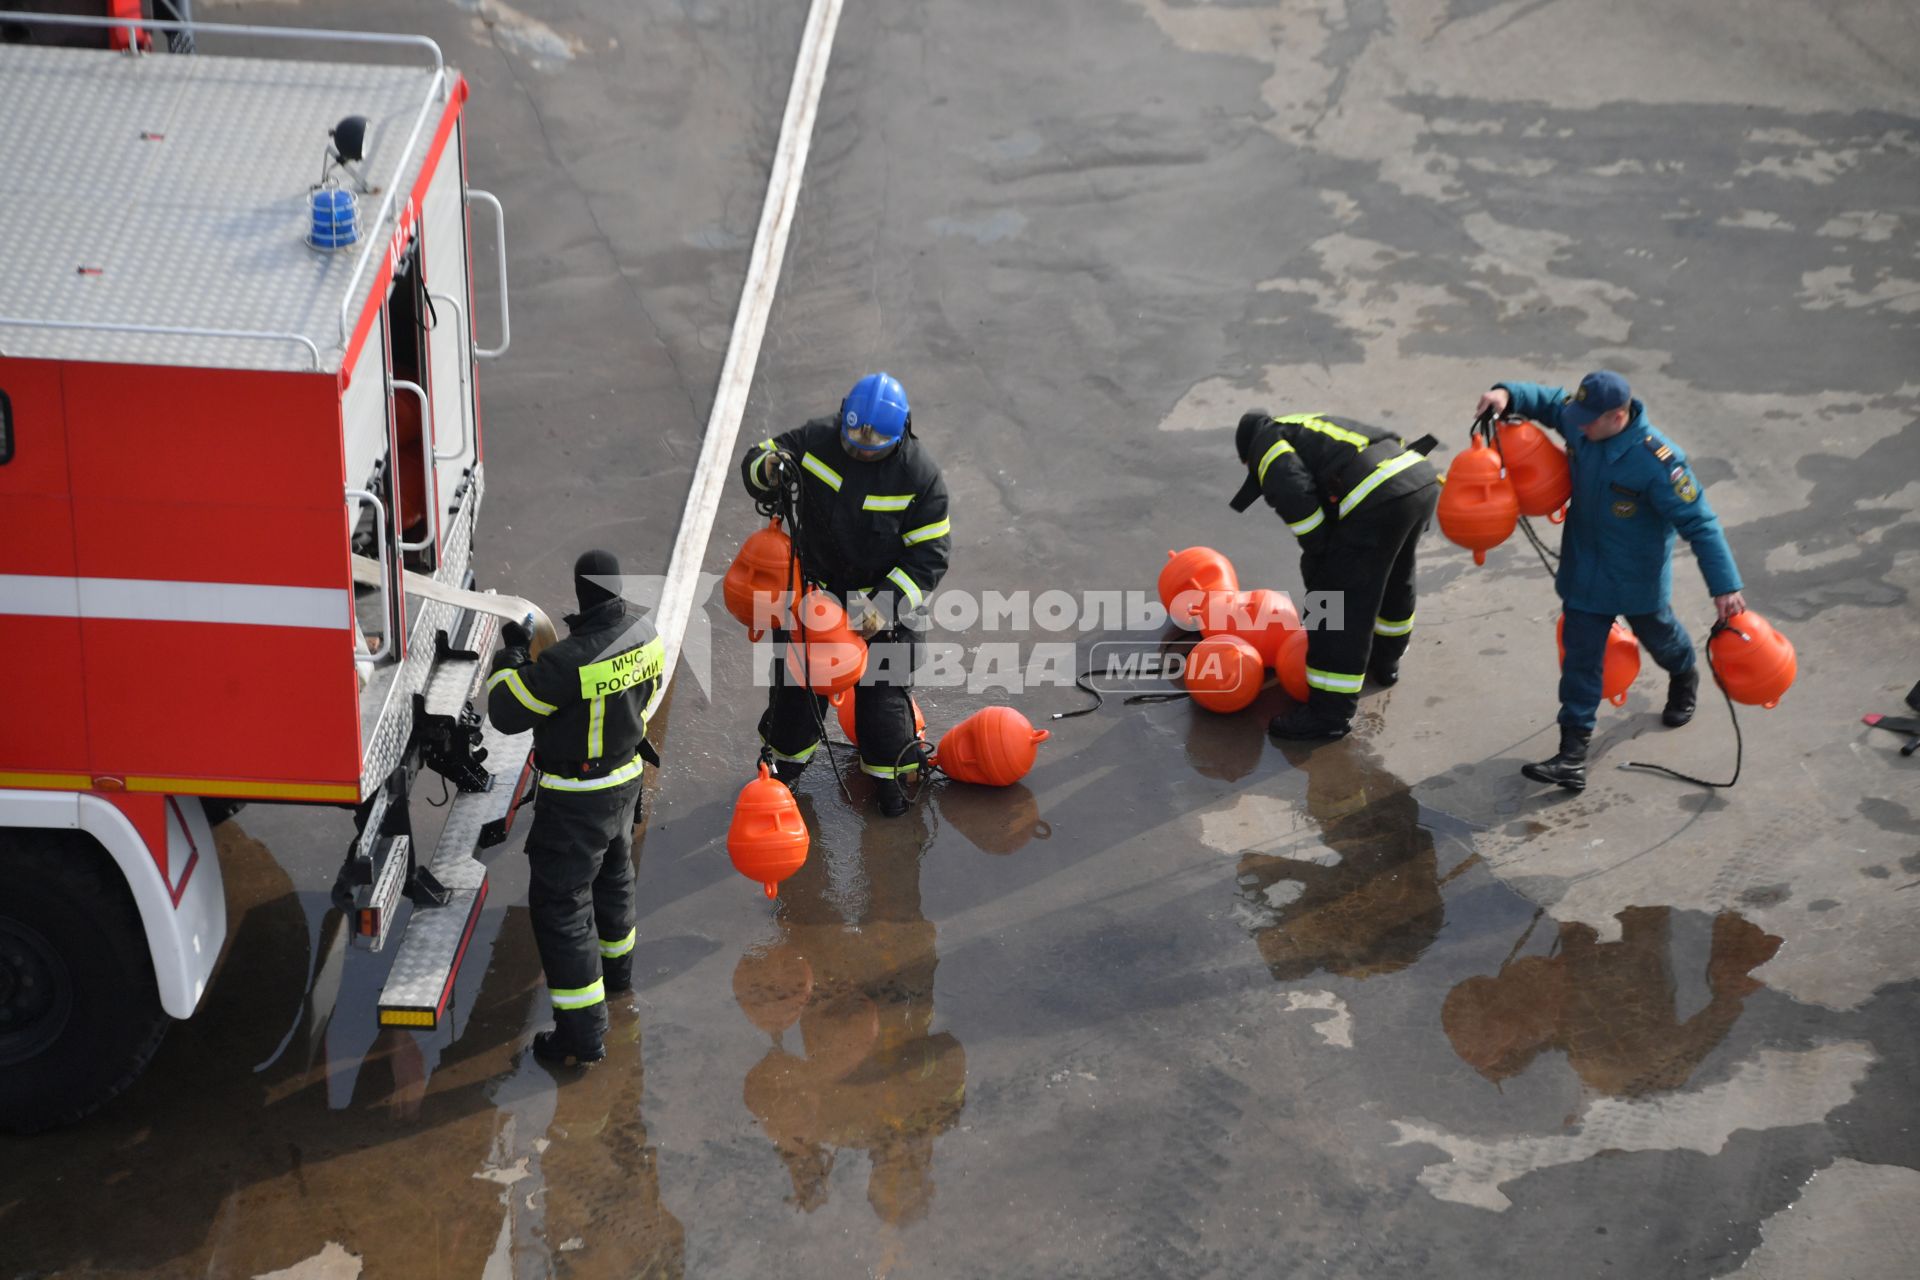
44	724
450	341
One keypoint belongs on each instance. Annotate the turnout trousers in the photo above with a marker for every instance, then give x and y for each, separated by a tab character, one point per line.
1368	566
1585	637
580	895
882	710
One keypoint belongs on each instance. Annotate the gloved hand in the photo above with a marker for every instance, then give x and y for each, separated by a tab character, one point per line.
515	636
779	469
864	617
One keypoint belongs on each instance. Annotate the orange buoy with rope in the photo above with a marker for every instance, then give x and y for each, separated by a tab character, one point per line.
994	747
1224	673
763	581
1754	663
826	655
1189	577
767	839
1537	467
1260	617
1478	507
1621	666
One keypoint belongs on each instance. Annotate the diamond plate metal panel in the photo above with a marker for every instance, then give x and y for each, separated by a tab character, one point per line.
451	686
392	727
423	969
182	182
369	837
506	759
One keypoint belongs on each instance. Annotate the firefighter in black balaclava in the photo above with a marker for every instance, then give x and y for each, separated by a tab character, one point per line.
586	700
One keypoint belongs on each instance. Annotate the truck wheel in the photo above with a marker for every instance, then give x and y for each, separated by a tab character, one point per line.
80	1015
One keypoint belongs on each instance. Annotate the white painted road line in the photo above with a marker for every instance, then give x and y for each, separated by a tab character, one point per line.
749	326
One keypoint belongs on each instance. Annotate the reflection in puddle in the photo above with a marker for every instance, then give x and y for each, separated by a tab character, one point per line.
601	1178
1361	899
1611	1007
846	994
998	820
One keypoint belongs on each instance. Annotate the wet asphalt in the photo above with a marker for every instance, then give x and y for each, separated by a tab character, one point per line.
1182	1002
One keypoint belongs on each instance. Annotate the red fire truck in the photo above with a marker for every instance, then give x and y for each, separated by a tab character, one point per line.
241	465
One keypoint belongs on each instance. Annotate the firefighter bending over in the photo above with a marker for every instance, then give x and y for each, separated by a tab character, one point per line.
1357	499
874	534
586	701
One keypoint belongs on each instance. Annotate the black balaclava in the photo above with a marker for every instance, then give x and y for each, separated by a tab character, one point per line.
1250	423
590	566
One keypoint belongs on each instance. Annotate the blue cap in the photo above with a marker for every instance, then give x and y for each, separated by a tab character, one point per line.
1601	391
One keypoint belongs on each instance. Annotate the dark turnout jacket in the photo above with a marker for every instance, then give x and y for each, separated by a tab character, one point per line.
1316	470
585	698
876	527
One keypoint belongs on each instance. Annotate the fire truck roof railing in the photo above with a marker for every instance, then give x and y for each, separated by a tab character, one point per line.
153	208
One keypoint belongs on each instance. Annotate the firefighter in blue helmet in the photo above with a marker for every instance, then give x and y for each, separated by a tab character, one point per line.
585	699
1632	489
874	534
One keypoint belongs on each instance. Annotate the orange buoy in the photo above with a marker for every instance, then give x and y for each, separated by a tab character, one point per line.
771	984
993	747
1224	673
1754	663
1292	666
1189	577
767	839
847	723
833	658
753	586
1260	617
1478	508
1537	467
1622	665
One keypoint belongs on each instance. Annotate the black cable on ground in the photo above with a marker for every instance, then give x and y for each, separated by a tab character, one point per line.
1739	747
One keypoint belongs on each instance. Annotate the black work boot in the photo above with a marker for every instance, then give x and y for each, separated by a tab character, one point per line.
1683	691
1383	663
577	1039
1325	716
617	973
889	797
789	771
1569	768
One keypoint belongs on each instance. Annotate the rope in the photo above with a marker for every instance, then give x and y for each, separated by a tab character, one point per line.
1739	747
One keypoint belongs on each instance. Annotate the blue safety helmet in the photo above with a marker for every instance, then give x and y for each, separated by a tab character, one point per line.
876	409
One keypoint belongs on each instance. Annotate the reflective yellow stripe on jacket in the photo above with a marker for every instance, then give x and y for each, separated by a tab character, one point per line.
518	688
625	773
1381	474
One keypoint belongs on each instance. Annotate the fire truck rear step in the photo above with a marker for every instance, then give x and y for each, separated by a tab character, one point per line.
420	985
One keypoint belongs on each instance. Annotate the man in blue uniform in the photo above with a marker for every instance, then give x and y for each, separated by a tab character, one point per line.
1632	489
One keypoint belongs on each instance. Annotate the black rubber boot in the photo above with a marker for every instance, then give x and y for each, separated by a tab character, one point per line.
1683	693
789	771
1567	769
1384	672
617	973
892	801
1325	716
577	1038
